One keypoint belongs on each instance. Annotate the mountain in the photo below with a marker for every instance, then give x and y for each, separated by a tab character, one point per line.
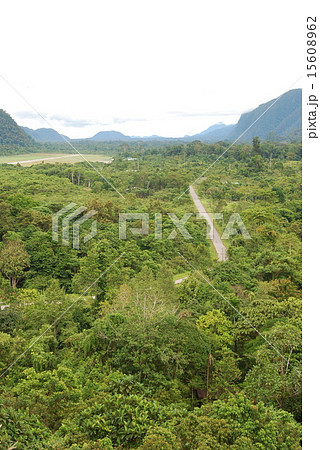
11	134
217	132
281	119
281	122
109	136
154	137
45	135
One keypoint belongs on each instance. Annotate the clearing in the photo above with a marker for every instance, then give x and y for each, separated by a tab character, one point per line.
28	159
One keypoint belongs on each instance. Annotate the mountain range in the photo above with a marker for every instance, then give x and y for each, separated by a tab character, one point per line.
279	119
45	135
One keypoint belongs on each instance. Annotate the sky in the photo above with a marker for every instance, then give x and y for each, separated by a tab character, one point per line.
170	68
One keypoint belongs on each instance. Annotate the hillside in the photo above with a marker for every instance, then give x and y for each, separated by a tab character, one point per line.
217	132
11	134
45	135
282	121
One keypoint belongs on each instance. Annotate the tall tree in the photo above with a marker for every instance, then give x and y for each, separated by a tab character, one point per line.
256	145
13	260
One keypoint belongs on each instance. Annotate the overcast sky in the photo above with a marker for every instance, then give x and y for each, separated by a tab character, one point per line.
145	67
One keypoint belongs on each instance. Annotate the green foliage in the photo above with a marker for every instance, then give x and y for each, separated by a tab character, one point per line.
256	145
20	429
159	438
236	422
124	419
13	260
123	364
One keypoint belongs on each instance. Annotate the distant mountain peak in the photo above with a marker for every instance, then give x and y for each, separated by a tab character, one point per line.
109	136
45	135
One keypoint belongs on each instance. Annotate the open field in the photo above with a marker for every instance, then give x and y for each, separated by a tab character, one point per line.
28	159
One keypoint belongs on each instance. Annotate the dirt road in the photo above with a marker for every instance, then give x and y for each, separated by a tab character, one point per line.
180	280
214	235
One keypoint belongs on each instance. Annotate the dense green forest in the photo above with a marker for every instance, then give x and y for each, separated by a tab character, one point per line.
100	349
12	137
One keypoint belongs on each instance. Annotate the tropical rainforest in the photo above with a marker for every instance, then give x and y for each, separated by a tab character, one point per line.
150	342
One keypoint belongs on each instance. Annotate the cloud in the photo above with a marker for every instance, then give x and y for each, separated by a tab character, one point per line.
63	120
27	115
70	122
205	114
67	121
82	123
126	119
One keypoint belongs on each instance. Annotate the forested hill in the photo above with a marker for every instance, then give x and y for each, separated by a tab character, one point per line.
11	133
282	120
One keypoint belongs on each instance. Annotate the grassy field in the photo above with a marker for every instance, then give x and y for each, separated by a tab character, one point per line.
37	158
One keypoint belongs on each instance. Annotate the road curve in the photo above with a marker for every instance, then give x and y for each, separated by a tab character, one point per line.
180	280
214	235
